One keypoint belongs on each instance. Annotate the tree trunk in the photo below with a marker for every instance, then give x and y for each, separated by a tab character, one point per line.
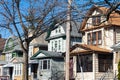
25	65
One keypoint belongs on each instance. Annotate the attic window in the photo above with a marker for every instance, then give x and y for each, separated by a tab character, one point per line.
96	20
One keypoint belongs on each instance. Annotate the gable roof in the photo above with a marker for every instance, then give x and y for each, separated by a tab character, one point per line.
87	49
48	54
114	18
40	40
73	33
17	60
12	47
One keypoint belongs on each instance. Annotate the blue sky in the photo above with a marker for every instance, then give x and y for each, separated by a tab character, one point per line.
5	33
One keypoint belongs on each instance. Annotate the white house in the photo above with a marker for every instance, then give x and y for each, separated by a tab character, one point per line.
57	37
54	68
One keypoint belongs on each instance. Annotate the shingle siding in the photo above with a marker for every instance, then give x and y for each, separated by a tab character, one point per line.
117	35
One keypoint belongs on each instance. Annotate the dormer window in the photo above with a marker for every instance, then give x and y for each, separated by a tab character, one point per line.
56	31
96	20
59	30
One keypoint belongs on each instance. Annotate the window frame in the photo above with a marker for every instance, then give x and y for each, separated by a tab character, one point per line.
59	47
96	20
84	63
88	38
105	62
97	39
18	69
48	65
55	48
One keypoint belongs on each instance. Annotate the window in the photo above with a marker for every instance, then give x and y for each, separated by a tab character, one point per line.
89	38
99	37
59	45
52	46
105	62
84	62
55	48
96	20
59	30
18	69
56	31
45	64
8	57
95	38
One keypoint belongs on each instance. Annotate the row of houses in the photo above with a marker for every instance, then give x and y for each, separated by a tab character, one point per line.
94	53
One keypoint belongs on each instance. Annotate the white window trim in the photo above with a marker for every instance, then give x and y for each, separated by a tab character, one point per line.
41	63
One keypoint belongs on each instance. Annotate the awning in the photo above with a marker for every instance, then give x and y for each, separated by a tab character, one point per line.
9	65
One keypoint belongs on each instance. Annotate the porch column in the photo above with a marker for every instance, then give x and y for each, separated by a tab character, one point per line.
32	76
94	67
74	67
116	58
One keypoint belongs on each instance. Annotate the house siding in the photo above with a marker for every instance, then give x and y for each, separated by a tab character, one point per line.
2	57
56	71
117	35
43	74
108	37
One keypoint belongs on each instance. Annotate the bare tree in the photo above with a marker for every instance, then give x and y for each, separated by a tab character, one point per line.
81	7
21	17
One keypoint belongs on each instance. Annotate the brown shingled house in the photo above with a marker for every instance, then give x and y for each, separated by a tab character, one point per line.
94	58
